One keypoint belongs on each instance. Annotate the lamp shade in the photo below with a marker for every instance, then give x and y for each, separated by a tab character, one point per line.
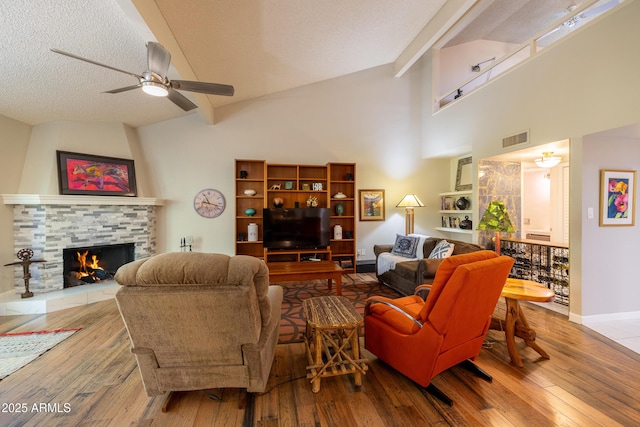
410	201
496	218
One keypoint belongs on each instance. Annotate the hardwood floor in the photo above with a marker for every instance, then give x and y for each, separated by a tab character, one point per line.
589	380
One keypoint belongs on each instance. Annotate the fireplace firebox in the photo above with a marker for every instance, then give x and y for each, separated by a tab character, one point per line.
94	264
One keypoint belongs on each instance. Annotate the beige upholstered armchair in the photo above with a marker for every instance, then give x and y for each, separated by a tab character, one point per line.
199	321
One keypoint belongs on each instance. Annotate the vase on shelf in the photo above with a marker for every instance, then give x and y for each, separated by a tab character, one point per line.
462	203
466	223
339	209
278	202
337	232
252	232
250	211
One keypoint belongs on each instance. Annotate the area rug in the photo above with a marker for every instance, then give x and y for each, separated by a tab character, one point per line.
17	350
292	325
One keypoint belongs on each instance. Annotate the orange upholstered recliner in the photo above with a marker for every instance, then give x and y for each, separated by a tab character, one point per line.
424	338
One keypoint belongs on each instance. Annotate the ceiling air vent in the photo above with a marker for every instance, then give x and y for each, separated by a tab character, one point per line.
510	141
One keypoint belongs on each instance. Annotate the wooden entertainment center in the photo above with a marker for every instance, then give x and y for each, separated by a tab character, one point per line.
295	184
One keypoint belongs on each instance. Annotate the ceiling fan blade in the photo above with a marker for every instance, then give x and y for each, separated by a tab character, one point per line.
123	89
202	87
158	59
71	55
180	100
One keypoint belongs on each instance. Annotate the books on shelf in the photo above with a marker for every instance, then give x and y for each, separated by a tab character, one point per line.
451	221
447	203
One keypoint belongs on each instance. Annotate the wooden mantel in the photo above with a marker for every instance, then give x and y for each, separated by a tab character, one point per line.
51	199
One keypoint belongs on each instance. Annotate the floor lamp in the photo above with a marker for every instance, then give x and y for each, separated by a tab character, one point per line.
496	218
409	202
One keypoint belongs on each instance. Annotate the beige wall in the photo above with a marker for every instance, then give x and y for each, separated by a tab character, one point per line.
369	118
31	166
14	143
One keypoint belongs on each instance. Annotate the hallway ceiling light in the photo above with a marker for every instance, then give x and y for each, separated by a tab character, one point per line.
548	160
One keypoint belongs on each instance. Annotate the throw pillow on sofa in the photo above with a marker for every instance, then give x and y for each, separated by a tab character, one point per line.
443	249
421	239
405	246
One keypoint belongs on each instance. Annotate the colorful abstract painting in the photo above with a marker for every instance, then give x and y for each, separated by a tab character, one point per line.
84	174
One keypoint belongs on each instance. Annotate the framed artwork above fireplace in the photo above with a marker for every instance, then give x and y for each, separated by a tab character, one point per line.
87	174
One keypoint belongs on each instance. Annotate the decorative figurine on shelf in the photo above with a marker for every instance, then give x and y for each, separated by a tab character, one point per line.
278	202
244	174
312	202
275	187
25	256
466	223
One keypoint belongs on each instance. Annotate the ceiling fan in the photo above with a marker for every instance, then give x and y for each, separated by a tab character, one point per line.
154	81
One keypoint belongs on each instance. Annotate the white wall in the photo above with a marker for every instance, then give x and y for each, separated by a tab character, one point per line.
584	85
456	61
610	254
536	201
14	142
370	118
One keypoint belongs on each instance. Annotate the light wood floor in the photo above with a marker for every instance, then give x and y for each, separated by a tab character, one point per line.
589	380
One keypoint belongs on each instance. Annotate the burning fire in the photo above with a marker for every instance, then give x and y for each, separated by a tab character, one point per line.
87	268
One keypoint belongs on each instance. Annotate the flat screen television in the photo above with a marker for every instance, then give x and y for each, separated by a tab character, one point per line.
296	228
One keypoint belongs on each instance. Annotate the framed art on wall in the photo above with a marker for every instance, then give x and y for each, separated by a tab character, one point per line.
617	197
463	175
86	174
371	205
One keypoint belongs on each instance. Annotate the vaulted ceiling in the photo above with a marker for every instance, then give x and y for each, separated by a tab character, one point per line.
258	47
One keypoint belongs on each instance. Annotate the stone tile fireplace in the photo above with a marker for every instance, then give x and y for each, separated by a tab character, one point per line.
50	224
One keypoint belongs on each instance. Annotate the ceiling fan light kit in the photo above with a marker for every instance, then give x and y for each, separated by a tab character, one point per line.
154	89
154	81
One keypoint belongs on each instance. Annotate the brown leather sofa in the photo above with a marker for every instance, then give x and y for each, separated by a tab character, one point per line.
407	275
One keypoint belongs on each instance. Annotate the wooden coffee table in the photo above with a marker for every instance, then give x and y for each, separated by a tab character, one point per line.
515	323
332	339
307	270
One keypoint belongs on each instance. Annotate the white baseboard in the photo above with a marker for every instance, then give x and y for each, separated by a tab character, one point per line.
608	317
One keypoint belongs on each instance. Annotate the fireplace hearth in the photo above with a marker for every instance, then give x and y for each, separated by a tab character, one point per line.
94	264
48	224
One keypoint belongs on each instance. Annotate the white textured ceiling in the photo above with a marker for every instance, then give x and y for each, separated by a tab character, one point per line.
259	47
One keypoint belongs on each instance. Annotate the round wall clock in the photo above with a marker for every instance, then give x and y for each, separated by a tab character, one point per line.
209	203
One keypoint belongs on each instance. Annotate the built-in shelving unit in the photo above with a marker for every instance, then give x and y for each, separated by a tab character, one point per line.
249	175
294	185
450	216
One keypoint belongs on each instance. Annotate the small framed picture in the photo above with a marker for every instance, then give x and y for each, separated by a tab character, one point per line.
617	197
371	205
288	185
317	186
